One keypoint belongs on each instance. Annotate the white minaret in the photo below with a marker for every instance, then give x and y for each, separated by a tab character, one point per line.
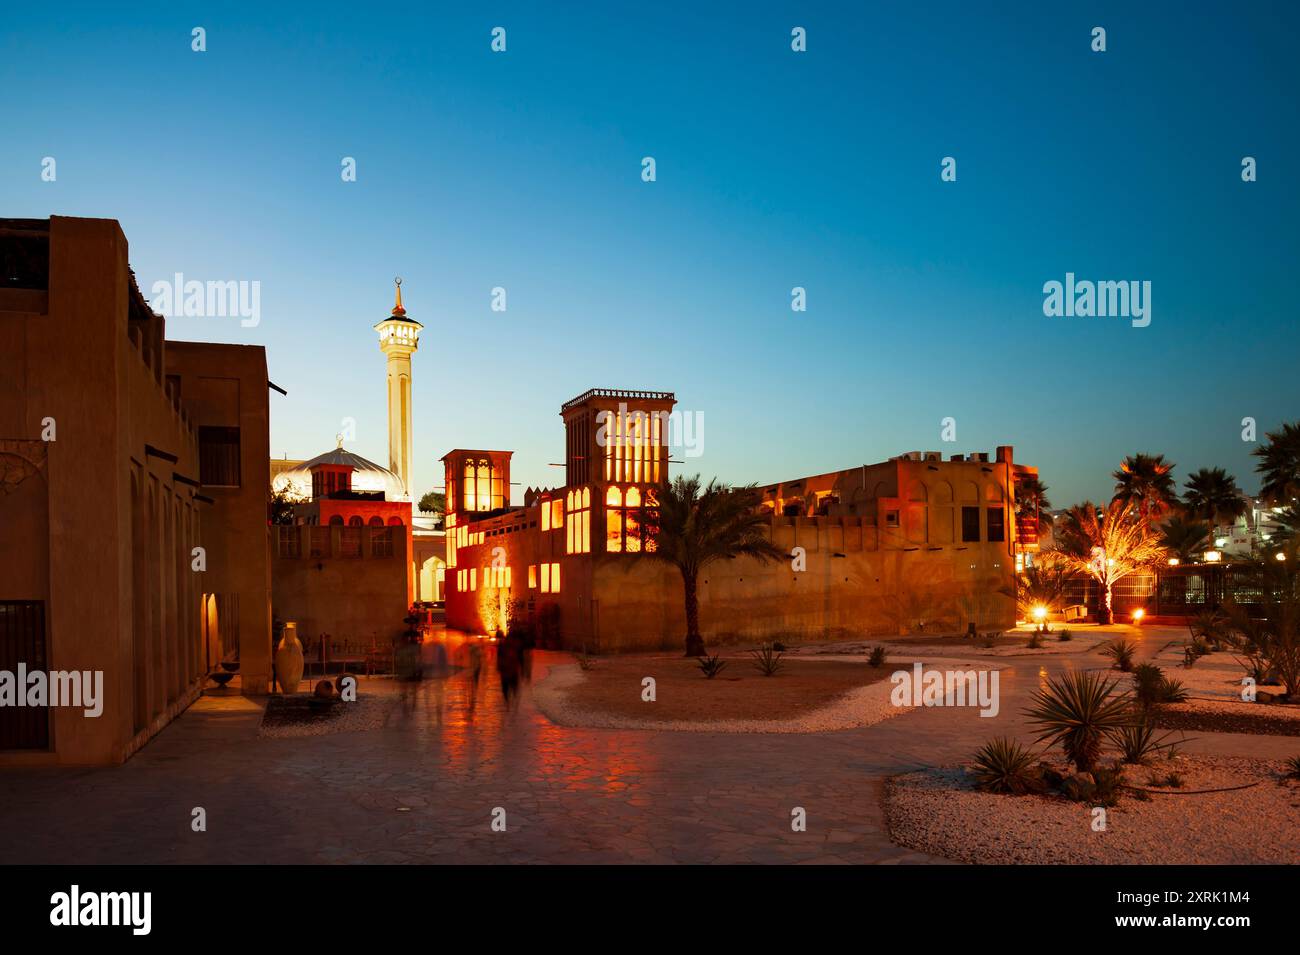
399	337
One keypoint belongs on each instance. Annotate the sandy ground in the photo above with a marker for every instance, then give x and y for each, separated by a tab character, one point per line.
939	811
376	700
558	700
1215	704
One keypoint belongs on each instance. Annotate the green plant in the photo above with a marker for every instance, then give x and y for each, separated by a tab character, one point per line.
1004	766
1076	711
1293	766
767	659
698	526
1169	781
1121	653
877	656
1035	641
1152	686
1138	743
1064	635
711	666
1107	543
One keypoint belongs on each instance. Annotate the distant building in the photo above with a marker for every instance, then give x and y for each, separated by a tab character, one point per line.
355	557
133	498
913	543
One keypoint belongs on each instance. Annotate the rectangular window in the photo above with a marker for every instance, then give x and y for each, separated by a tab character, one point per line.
290	541
532	576
970	525
557	513
546	515
381	542
891	518
473	578
219	456
546	578
555	578
997	525
350	541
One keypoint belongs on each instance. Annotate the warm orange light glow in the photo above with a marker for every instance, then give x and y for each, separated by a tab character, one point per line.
1173	561
1138	614
1040	613
1213	556
1281	556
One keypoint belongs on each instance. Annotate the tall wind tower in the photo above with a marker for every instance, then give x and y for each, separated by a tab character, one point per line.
399	337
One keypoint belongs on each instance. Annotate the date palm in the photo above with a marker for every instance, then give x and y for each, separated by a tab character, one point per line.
1185	539
699	526
1279	465
1108	543
1213	496
1031	498
1145	481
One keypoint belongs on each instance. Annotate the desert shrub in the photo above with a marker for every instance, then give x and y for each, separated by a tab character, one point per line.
877	656
1121	653
1109	782
1293	767
767	659
1193	650
1004	766
1064	635
1035	641
711	666
1138	742
778	646
1168	781
1152	686
1076	711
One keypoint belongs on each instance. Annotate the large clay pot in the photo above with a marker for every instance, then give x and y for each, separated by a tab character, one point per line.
288	660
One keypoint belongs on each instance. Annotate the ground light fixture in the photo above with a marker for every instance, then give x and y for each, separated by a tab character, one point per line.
1138	614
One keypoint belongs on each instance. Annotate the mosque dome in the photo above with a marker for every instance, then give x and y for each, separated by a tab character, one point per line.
366	476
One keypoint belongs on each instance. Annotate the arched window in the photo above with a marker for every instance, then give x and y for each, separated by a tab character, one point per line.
485	484
376	521
471	497
355	521
396	521
336	519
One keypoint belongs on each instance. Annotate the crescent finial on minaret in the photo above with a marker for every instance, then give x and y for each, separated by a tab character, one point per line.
398	309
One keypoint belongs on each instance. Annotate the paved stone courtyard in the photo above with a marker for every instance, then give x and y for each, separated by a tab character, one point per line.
423	789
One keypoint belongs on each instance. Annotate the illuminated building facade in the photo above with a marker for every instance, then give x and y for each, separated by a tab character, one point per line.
913	543
132	496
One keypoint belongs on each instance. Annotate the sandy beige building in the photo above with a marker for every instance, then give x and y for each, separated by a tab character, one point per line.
132	496
913	543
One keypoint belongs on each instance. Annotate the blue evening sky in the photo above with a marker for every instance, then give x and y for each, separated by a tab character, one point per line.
775	169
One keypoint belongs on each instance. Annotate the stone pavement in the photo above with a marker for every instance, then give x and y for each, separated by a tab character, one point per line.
424	788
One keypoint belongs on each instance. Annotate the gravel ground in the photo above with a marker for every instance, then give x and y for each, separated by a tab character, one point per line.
1215	704
940	812
861	707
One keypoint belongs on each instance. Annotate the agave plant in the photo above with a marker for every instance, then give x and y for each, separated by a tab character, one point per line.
1077	710
1121	653
1293	766
877	656
767	659
1138	743
711	666
1152	686
1004	766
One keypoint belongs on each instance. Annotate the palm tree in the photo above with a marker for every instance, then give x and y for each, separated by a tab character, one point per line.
1279	464
1031	498
1212	495
698	527
1146	482
1108	544
1184	539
